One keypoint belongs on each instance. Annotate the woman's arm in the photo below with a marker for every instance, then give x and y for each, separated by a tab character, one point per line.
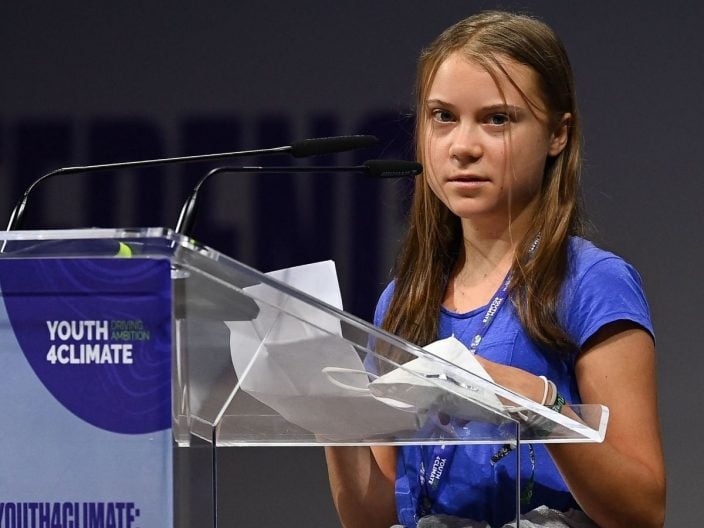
620	482
362	484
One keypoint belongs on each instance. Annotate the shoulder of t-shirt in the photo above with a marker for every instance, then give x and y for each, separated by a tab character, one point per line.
382	304
601	288
590	263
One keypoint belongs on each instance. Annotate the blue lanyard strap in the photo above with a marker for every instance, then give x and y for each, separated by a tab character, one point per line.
431	472
494	306
439	463
527	492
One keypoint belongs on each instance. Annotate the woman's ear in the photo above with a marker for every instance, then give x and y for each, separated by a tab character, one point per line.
560	135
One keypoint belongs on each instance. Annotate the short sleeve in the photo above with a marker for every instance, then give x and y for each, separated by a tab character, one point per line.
383	304
603	290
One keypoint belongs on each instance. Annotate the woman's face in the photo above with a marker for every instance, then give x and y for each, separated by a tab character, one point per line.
485	152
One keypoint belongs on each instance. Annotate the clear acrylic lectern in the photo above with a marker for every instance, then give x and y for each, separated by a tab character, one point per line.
104	315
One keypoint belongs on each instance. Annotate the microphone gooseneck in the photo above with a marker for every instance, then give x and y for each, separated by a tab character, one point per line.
299	149
373	168
392	168
331	145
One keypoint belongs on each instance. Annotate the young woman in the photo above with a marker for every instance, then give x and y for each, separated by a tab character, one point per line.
498	136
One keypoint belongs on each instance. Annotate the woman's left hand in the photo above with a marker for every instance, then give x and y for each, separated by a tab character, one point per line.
514	379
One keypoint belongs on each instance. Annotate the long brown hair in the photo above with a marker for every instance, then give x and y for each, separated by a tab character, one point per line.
434	237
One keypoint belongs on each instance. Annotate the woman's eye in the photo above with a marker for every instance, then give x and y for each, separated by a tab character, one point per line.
498	119
442	116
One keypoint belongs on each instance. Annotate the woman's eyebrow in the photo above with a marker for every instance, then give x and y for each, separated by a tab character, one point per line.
497	107
439	102
504	107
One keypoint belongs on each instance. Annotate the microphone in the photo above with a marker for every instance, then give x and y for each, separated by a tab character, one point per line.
372	168
299	149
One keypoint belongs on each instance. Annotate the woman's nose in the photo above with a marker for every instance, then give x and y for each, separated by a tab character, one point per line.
466	146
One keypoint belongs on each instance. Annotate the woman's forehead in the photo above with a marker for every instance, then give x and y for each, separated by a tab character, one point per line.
499	77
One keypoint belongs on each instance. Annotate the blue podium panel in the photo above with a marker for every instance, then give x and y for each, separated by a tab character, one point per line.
85	356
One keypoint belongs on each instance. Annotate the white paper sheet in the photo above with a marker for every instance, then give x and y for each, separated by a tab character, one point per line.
281	359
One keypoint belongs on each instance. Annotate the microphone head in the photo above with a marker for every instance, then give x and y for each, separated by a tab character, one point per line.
392	168
331	145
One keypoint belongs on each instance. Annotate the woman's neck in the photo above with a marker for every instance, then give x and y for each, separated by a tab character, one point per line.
489	245
485	259
482	258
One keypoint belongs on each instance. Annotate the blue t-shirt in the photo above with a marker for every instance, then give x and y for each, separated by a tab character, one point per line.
600	288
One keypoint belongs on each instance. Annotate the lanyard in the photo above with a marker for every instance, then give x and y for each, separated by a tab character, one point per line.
430	474
432	471
494	306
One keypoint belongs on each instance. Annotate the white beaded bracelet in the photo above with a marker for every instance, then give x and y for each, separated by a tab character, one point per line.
553	393
546	385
